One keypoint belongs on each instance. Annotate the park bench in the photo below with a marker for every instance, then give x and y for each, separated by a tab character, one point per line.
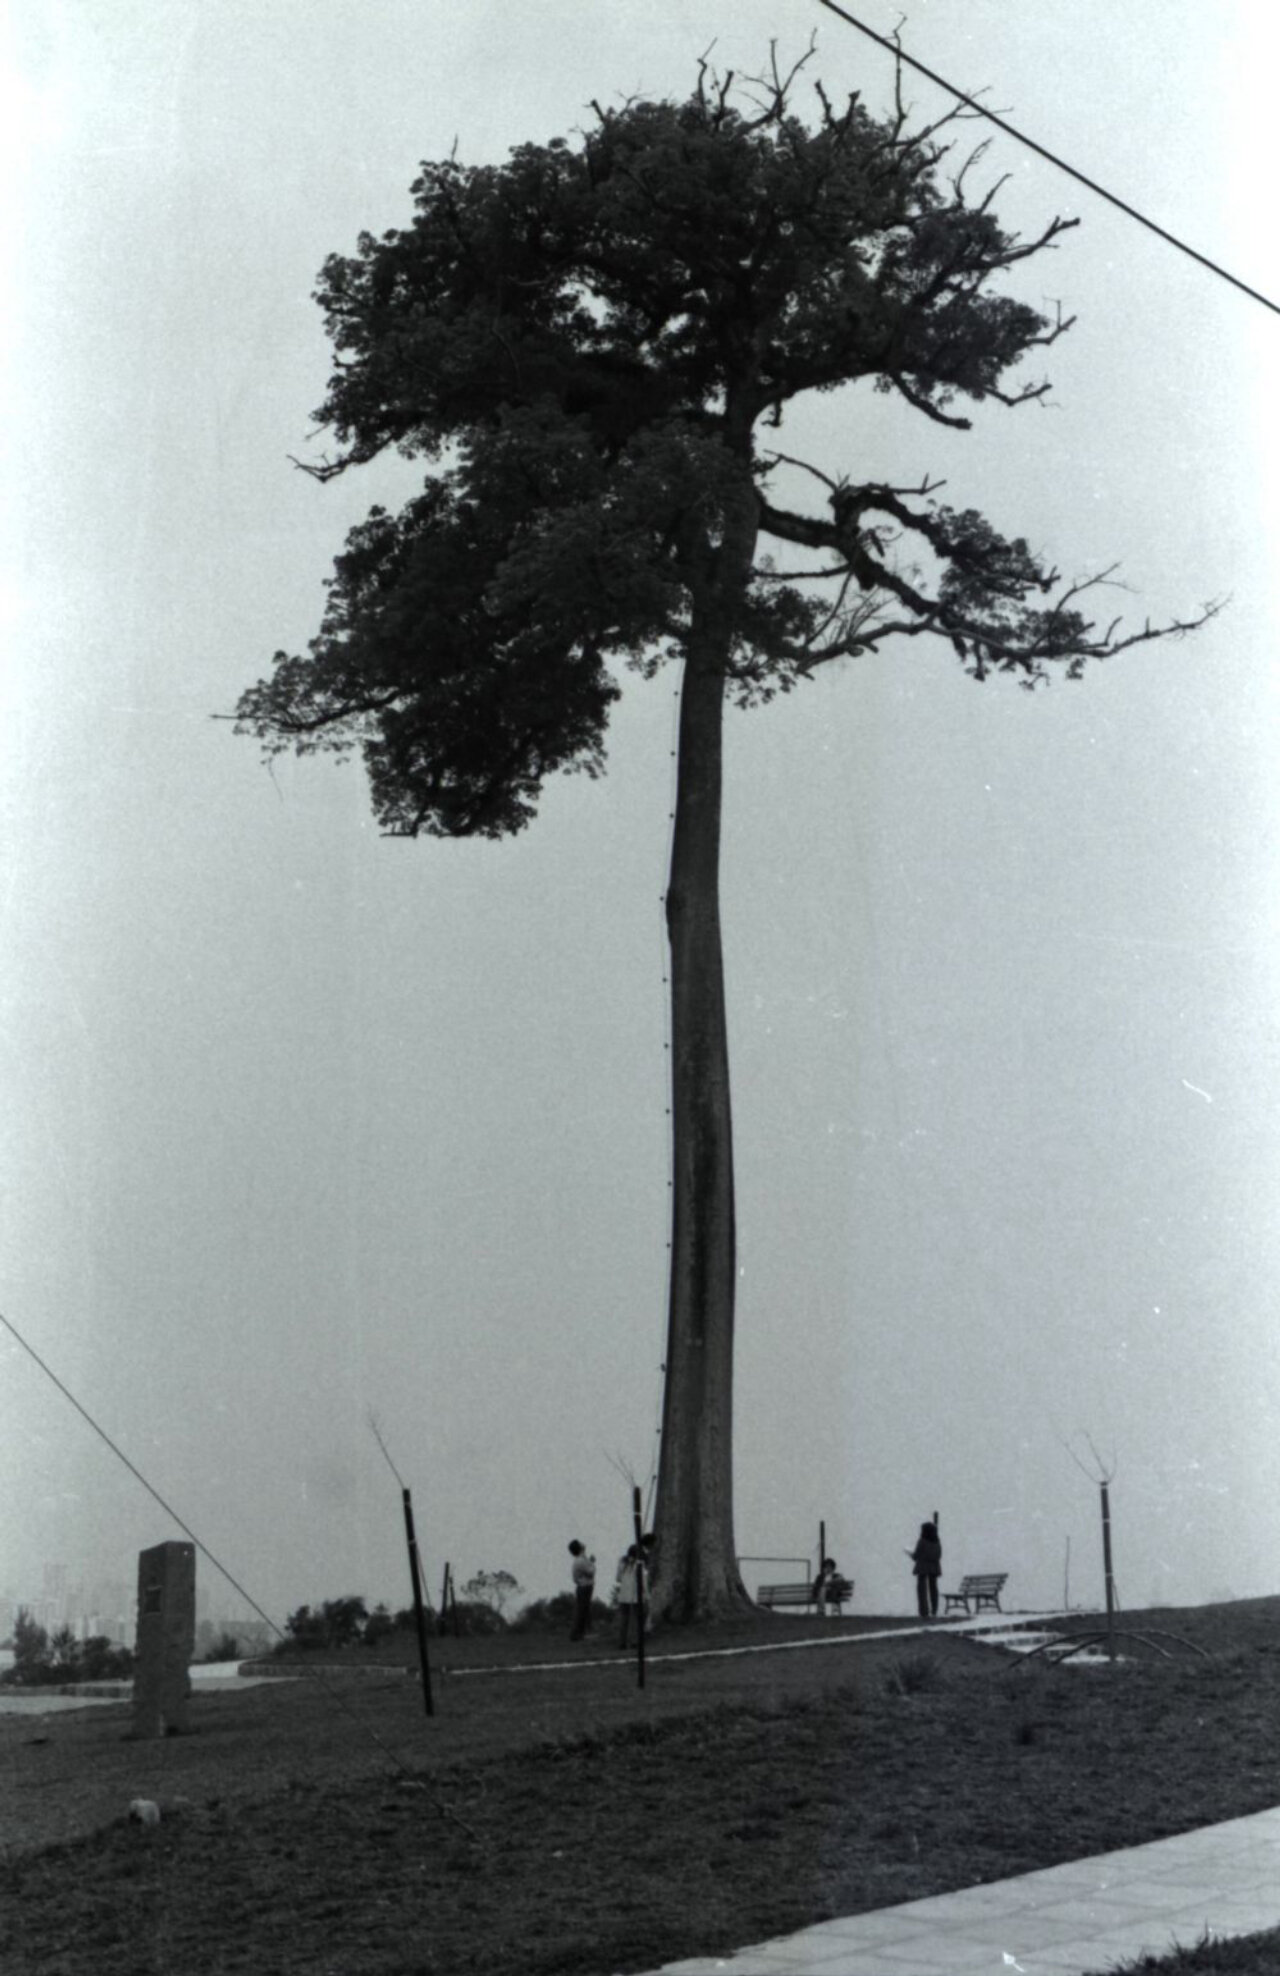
771	1596
983	1587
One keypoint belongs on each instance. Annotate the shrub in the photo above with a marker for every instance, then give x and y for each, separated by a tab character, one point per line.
913	1674
334	1624
41	1662
100	1660
225	1647
555	1615
475	1616
545	1615
379	1626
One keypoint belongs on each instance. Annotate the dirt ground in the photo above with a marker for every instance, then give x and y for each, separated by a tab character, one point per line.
561	1821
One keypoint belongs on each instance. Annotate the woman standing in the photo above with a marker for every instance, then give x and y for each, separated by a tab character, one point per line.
926	1560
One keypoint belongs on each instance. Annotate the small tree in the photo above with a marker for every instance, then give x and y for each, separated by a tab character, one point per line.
64	1652
595	347
32	1659
492	1588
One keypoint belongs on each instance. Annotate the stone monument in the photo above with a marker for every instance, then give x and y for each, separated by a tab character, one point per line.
166	1639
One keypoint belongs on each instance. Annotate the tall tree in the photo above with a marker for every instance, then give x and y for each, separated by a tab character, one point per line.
594	347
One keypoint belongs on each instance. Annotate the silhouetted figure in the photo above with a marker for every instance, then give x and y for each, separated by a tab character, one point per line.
827	1585
584	1587
926	1560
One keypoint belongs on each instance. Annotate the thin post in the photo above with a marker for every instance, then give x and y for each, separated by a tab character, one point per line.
1110	1576
640	1585
822	1545
419	1607
448	1603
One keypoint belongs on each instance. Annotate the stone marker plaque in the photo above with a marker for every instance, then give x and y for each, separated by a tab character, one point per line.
166	1639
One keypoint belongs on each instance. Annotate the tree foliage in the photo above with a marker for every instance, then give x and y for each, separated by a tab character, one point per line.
492	1588
589	345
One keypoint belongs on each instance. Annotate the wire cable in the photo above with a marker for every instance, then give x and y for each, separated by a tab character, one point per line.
900	54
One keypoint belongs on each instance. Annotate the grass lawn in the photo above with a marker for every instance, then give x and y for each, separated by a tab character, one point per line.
1248	1955
553	1822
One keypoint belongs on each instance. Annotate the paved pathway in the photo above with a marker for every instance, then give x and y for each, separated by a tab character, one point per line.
1000	1625
1065	1921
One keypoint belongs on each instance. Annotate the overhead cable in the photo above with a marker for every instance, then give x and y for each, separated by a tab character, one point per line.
900	54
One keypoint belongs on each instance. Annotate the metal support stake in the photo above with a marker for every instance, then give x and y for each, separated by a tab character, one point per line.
641	1587
1110	1575
419	1608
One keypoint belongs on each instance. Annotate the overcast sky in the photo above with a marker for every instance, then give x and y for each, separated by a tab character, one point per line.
299	1122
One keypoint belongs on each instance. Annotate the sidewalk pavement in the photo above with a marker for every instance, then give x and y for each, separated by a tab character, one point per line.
1068	1920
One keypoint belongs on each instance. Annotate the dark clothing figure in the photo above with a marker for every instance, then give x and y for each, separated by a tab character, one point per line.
827	1585
584	1588
926	1561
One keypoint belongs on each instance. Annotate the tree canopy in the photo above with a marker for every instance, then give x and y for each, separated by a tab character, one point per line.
589	345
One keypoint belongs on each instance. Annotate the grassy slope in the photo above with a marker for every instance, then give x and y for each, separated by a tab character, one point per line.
563	1822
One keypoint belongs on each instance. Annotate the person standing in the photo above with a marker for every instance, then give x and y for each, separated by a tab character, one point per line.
628	1592
823	1585
926	1562
584	1587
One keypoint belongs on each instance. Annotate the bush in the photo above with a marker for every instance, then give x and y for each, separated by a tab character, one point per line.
100	1660
42	1662
380	1626
335	1624
475	1616
225	1647
555	1615
545	1615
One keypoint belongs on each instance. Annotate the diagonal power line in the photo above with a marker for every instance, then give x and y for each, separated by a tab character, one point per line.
900	54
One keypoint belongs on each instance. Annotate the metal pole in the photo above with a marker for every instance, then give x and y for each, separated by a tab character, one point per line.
640	1586
822	1545
1106	1565
419	1608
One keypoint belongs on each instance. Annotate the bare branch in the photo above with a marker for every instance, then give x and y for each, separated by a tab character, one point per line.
775	86
327	469
922	404
1027	396
786	459
975	156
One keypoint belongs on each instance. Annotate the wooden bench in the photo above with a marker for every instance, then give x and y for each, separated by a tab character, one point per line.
983	1587
771	1596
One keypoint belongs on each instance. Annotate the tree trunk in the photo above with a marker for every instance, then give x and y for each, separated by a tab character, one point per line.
696	1571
